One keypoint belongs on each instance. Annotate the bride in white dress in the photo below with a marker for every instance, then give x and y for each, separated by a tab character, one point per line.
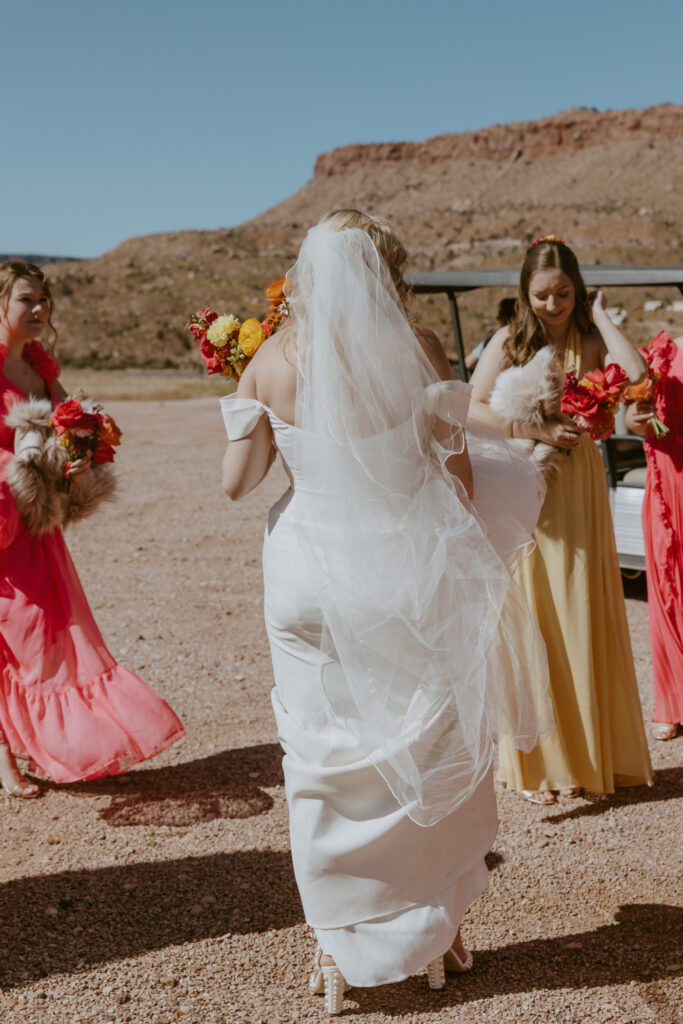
401	647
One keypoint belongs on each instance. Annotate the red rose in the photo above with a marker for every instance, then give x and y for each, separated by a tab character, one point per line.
71	416
103	453
580	401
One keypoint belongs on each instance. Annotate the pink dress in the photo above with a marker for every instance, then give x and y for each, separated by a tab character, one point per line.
65	704
663	530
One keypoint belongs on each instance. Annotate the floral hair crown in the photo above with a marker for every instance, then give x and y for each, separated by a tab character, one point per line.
548	238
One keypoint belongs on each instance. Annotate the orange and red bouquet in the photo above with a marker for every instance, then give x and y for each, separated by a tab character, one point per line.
591	400
226	343
658	357
83	426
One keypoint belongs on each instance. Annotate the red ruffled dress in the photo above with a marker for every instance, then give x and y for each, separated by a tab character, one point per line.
65	704
663	531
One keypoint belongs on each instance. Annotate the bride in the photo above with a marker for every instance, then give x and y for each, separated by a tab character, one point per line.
400	647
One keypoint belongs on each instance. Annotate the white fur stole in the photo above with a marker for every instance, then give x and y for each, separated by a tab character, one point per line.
530	394
35	473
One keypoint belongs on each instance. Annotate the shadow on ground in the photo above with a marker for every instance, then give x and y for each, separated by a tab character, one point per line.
76	919
226	785
668	785
637	947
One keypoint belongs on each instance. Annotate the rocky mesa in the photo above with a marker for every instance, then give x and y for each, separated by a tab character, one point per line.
610	183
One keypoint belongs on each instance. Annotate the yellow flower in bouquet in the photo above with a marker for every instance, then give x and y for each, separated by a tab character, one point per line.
222	329
251	336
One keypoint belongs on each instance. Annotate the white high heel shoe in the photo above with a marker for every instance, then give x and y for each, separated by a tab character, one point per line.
450	961
436	973
454	963
327	981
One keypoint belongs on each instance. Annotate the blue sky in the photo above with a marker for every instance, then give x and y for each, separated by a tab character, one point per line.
138	116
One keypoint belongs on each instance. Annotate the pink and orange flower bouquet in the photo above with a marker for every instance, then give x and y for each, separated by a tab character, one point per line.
591	401
83	426
226	343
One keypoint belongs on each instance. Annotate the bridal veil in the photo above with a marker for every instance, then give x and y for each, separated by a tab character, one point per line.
432	651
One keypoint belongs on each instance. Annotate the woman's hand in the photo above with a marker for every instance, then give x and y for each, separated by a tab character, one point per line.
638	417
598	304
561	433
79	466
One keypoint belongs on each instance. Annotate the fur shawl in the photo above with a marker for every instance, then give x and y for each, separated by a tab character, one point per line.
35	473
529	395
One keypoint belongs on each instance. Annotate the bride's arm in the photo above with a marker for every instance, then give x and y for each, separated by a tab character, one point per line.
247	461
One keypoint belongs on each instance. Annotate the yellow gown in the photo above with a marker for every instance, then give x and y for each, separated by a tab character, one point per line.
573	582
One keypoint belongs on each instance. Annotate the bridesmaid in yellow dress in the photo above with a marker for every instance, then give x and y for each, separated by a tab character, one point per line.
572	578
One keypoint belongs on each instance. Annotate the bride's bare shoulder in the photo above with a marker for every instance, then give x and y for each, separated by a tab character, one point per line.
432	347
272	373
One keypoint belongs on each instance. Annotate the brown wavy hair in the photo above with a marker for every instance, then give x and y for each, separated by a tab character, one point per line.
15	270
527	334
385	239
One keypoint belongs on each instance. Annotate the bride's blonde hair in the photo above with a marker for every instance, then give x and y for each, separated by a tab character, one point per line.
384	237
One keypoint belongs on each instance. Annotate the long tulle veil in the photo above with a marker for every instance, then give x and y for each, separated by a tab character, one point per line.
431	651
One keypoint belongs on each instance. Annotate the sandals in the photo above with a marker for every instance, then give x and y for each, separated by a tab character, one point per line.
328	981
546	796
450	961
664	731
453	962
543	797
20	785
28	792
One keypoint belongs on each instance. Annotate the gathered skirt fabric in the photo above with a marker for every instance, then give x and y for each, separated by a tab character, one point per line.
65	704
573	582
384	894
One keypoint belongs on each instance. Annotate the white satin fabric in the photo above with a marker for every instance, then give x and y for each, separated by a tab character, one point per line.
384	894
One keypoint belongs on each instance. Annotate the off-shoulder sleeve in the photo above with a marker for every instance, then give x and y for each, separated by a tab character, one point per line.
449	400
241	415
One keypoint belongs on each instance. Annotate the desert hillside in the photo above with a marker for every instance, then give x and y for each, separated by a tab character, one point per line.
610	183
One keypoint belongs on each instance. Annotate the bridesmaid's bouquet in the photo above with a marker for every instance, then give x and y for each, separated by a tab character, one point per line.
83	426
657	357
227	344
591	401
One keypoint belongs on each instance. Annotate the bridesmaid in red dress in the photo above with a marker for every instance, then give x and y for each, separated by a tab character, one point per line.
663	531
65	704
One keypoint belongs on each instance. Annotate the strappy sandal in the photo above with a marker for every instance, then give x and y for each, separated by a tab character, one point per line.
20	786
664	731
542	797
328	981
453	962
28	792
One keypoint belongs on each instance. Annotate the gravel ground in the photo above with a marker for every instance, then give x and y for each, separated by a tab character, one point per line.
167	894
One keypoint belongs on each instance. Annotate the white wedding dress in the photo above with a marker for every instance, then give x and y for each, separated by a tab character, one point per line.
385	895
401	646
